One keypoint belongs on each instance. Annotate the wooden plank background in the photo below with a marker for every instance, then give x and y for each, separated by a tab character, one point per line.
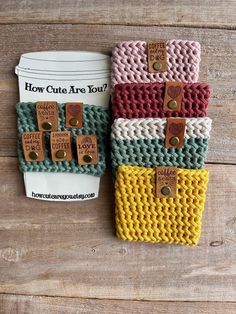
64	258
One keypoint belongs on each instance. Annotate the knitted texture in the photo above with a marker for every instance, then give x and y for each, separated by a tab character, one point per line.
141	216
145	100
95	121
141	142
129	62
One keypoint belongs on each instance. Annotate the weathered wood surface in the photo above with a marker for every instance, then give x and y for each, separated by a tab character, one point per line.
218	67
15	304
70	249
201	13
64	255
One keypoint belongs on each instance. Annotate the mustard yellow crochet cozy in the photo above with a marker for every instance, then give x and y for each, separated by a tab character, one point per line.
141	216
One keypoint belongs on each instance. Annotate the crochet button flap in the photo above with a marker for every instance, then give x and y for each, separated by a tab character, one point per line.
148	100
141	216
130	64
95	122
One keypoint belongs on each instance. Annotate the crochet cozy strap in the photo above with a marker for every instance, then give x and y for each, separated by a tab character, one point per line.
129	62
145	100
152	153
141	142
95	121
150	128
141	216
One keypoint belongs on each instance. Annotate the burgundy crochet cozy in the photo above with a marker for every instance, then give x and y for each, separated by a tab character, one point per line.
145	100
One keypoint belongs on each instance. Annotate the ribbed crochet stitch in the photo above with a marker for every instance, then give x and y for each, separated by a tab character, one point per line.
141	216
129	62
95	121
145	100
140	142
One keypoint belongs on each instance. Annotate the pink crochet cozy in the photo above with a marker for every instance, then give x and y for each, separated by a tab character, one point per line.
129	62
145	100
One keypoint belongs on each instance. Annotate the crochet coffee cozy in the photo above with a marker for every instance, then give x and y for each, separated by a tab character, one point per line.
95	121
140	142
145	100
141	216
129	62
160	119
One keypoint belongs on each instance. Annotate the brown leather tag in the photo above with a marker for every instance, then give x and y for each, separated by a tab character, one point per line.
47	116
175	130
173	96
33	146
157	59
61	146
166	182
87	149
74	115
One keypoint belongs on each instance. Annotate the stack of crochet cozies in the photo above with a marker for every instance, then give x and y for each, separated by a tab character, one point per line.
95	121
138	144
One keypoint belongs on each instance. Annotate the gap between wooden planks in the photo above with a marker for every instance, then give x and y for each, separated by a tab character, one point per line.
203	13
13	304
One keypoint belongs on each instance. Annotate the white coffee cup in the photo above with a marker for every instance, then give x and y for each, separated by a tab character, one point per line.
63	76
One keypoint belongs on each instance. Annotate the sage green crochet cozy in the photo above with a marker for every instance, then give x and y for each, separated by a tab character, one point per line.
95	121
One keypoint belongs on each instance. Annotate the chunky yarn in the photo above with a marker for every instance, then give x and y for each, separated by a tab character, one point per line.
134	129
95	121
129	62
141	142
145	100
141	216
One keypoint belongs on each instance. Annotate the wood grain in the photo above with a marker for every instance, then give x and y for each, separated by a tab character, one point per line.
18	304
218	67
62	256
70	249
208	13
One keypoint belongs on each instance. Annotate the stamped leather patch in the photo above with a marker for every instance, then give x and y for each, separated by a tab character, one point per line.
87	149
74	115
33	146
61	146
175	130
166	182
47	116
173	96
157	58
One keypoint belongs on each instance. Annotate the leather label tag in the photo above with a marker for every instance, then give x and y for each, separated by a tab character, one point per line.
157	59
47	116
33	146
74	115
166	182
87	149
173	96
175	130
61	146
